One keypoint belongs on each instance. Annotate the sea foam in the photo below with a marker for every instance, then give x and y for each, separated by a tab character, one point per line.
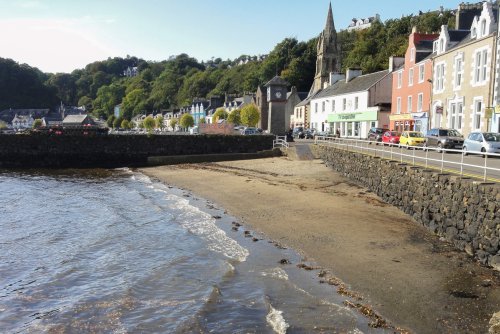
275	319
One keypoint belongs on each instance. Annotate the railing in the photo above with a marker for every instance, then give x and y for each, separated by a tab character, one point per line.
280	142
487	170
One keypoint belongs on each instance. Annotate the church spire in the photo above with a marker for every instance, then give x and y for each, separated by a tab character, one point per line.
330	26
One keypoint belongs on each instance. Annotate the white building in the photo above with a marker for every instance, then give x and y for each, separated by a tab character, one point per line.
360	24
354	104
20	122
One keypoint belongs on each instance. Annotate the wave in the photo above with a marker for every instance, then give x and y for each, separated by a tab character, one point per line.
276	320
277	273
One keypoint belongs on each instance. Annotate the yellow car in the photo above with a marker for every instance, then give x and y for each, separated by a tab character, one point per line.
411	138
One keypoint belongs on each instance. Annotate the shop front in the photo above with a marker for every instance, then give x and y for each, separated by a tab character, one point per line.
409	122
355	124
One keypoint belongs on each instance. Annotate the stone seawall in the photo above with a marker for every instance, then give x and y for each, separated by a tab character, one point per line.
465	212
39	151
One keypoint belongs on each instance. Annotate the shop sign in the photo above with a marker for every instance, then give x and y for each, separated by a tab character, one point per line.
402	117
354	117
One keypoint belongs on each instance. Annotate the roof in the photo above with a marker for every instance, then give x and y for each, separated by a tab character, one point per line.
308	99
358	84
74	119
277	81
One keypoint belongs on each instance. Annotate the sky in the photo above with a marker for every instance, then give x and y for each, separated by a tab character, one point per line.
64	35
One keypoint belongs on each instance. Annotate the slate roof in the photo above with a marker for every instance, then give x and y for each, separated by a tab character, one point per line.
308	99
277	81
7	115
358	84
74	119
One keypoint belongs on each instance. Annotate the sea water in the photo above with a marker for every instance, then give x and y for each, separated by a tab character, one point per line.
117	252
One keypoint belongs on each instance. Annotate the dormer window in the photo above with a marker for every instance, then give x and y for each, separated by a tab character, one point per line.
483	28
474	32
441	45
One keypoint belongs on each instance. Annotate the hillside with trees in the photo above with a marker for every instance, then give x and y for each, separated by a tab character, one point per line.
176	82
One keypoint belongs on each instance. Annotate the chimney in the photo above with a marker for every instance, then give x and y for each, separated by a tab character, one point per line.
294	90
336	77
352	73
395	62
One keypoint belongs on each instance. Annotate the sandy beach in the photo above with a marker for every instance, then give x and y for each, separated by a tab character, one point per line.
395	266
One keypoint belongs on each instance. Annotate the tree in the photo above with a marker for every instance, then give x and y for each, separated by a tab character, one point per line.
134	103
186	121
203	120
235	117
250	115
160	122
117	122
149	123
110	121
220	113
173	123
86	102
125	124
37	123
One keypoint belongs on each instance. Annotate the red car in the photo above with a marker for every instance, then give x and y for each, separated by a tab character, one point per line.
390	137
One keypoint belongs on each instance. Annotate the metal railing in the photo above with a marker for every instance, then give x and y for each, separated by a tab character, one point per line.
423	156
281	142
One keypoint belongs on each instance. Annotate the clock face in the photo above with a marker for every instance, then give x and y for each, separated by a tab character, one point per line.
278	94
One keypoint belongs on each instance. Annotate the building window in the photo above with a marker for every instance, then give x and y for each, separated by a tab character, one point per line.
439	77
456	114
316	107
410	104
356	103
459	68
421	73
333	105
323	106
410	77
400	79
418	126
412	54
398	105
349	129
344	104
420	102
480	70
478	106
483	28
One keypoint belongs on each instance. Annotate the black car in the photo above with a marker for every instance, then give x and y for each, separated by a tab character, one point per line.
375	134
444	139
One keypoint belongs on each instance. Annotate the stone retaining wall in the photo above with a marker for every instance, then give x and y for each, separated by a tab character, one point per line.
43	151
465	212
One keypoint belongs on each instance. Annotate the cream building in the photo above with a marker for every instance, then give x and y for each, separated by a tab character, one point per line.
463	75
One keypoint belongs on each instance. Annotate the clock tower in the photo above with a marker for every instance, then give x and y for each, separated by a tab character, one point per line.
277	98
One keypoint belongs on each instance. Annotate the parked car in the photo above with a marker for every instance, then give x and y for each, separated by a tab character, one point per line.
444	139
297	131
375	134
486	142
411	138
307	134
194	130
390	137
250	131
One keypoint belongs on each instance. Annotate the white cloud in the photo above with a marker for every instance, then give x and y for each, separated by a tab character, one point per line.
57	45
31	4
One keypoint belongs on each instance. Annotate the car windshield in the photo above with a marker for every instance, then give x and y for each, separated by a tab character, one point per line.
415	134
492	137
449	133
379	130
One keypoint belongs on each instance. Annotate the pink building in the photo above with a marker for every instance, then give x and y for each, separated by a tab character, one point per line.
412	84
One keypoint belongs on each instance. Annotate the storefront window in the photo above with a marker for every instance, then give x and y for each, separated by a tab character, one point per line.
407	126
356	129
349	129
418	126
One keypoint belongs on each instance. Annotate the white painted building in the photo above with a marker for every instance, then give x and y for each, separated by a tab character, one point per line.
354	104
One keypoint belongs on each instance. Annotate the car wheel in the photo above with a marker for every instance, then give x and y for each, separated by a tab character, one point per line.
464	151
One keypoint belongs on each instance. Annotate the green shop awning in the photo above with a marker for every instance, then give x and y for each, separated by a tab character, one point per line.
353	116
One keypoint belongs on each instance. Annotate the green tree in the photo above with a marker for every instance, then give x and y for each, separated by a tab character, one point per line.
134	103
173	123
110	121
250	115
186	121
86	102
149	123
203	120
125	124
160	122
235	117
219	114
37	123
117	122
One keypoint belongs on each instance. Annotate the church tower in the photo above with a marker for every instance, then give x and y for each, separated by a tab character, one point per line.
328	54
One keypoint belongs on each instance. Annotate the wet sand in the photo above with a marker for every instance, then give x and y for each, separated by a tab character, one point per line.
395	266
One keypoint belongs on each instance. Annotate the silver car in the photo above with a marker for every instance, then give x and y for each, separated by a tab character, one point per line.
486	142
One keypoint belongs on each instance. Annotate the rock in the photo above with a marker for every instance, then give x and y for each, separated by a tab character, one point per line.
284	261
486	283
235	228
216	217
495	324
495	262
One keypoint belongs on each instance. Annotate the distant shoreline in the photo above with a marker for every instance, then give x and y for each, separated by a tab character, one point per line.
405	274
